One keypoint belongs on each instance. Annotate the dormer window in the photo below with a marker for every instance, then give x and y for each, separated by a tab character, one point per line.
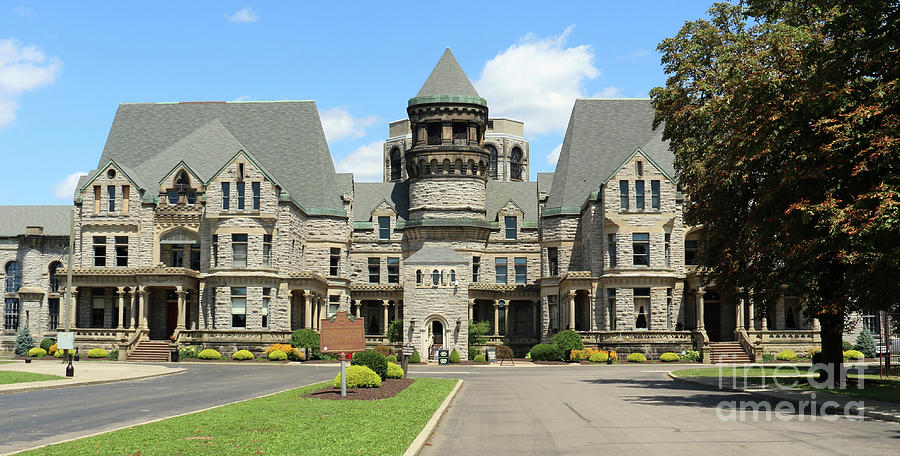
384	228
510	226
181	191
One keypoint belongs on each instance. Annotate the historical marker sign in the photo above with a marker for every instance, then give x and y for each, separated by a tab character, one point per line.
65	341
342	333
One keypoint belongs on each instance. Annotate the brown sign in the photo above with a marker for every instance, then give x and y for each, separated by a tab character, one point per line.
342	333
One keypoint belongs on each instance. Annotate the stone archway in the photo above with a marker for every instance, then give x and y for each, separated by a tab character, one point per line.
436	328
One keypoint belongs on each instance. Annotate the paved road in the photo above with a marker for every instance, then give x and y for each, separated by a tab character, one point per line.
31	419
623	409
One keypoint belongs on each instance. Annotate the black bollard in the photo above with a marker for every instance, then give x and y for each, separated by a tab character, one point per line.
70	369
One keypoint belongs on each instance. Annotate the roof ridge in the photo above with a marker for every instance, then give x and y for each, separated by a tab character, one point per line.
447	78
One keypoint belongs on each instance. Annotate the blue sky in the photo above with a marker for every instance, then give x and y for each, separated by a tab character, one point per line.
65	67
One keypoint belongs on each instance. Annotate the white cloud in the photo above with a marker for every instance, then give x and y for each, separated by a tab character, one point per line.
340	124
610	92
243	98
553	156
22	69
538	80
245	15
65	189
24	12
365	162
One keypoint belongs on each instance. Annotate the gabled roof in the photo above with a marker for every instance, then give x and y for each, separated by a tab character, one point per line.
447	78
436	254
56	220
204	150
544	181
368	195
523	194
601	135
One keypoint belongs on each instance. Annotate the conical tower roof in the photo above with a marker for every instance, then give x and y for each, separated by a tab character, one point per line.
447	78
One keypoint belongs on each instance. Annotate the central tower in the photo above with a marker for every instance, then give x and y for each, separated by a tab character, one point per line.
447	164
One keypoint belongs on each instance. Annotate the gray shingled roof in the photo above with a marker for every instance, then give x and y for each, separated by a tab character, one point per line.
601	135
56	220
285	137
524	194
436	254
447	78
545	181
368	195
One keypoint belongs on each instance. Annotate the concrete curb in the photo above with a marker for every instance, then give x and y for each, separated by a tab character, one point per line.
866	412
25	389
419	443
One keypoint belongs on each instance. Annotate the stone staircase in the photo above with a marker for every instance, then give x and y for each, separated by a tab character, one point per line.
728	352
151	351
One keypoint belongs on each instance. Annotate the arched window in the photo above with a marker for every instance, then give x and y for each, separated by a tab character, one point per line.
395	164
453	276
181	191
515	164
435	277
492	171
54	280
419	277
13	277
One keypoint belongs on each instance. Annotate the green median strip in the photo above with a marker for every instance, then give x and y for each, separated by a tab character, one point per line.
7	377
284	423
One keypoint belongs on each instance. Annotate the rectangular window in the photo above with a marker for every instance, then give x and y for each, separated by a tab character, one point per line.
374	270
476	267
335	264
191	198
98	306
122	251
111	197
611	307
639	167
690	252
510	227
334	303
521	265
384	227
639	195
177	256
267	296
393	265
553	260
641	246
99	250
238	307
669	308
53	310
434	130
173	198
215	250
11	315
126	195
267	250
500	270
642	308
226	196
654	195
96	200
623	195
195	257
254	187
240	195
239	250
668	250
611	248
553	310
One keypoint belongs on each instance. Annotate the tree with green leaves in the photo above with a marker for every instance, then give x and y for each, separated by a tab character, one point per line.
395	331
866	343
783	118
24	342
477	330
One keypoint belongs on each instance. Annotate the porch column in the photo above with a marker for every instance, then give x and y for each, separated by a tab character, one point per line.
815	324
496	318
307	309
700	292
320	314
506	318
591	311
572	311
385	306
358	305
181	313
290	304
471	308
142	307
739	314
764	322
73	311
751	320
121	292
133	306
315	312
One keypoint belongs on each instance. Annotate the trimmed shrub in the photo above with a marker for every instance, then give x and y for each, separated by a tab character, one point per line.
209	354
504	352
373	360
277	355
847	345
812	352
394	370
528	355
113	355
473	352
415	358
768	357
786	355
242	355
391	359
308	340
46	343
188	352
454	356
51	350
58	353
24	342
385	350
358	377
637	358
865	343
395	331
693	356
546	352
600	357
854	354
292	353
669	357
567	341
98	353
480	359
37	352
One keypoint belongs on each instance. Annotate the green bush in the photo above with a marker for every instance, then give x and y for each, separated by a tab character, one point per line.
854	354
864	343
504	352
46	343
693	356
473	352
373	360
308	340
391	359
37	352
477	330
847	345
209	354
395	331
546	352
528	355
768	357
669	357
415	358
277	355
113	355
358	377
188	352
385	350
394	370
637	358
98	353
567	341
786	355
58	353
242	355
295	355
454	356
328	356
598	358
480	359
24	342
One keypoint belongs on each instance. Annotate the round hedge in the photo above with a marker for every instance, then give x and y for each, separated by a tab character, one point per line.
46	343
454	356
637	358
58	353
480	359
415	358
391	359
242	355
849	354
504	352
786	355
546	352
97	353
277	355
567	341
598	358
358	377
37	352
209	353
669	357
373	360
394	370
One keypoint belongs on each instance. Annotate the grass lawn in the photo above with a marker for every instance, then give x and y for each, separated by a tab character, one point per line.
284	423
7	377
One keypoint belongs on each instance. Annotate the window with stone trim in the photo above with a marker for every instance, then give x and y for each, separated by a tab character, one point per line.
623	195
476	267
654	195
395	164
238	307
641	249
55	280
669	308
99	251
11	314
240	196
434	130
553	260
111	198
418	277
98	307
121	251
374	270
13	276
267	250
642	308
53	313
515	164
611	249
500	270
639	168
668	249
97	200
334	304
384	228
257	194
639	195
215	250
494	157
226	196
611	307
435	277
393	269
553	311
334	267
511	229
690	252
264	313
521	268
239	250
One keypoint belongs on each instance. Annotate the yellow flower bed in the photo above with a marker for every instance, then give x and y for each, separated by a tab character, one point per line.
585	355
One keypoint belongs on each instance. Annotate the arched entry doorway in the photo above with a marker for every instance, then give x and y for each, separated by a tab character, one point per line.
435	335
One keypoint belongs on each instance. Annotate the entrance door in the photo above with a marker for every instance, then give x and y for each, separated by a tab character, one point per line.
437	329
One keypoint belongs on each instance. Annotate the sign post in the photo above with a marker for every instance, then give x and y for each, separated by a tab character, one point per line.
343	334
407	351
66	341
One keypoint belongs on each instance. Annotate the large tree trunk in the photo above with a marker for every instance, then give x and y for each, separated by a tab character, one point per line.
832	331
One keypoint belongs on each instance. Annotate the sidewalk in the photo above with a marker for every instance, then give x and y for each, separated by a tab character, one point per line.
86	373
880	410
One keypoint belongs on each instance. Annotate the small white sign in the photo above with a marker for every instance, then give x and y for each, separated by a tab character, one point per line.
65	341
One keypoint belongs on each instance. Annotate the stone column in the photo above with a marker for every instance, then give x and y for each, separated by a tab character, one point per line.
290	306
322	312
307	308
358	305
496	318
751	320
121	292
506	318
700	292
815	324
739	314
471	308
133	305
591	311
571	315
385	305
181	313
73	311
142	307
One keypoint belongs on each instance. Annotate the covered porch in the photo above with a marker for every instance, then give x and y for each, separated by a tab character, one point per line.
378	305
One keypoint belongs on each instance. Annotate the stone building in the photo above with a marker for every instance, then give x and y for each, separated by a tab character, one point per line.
224	224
